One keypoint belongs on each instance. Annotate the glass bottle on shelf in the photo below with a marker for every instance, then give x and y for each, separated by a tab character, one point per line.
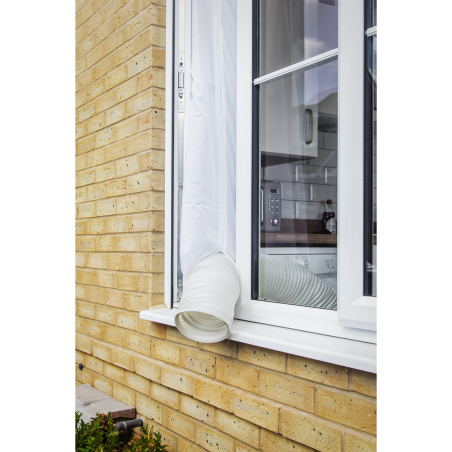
329	218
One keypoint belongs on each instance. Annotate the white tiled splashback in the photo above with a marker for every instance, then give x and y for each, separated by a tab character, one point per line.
305	188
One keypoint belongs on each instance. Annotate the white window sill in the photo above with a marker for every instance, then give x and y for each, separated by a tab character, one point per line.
334	350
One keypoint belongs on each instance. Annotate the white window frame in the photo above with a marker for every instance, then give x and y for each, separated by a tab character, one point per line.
347	336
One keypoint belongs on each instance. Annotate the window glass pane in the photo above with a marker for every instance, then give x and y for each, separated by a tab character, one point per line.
294	30
371	14
370	210
298	118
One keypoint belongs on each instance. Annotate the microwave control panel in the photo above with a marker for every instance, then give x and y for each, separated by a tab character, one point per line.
270	206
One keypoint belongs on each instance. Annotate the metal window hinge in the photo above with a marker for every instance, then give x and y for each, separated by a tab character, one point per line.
180	84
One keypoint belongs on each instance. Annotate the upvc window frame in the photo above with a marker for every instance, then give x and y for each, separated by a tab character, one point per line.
337	337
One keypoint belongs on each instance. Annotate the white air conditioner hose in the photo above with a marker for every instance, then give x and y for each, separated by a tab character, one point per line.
212	288
211	291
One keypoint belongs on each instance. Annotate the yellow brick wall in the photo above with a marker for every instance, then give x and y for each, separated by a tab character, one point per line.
226	397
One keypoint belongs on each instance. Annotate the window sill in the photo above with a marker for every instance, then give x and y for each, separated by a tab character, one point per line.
334	350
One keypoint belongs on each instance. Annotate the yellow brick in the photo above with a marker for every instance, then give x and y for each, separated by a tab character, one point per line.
80	98
127	243
106	279
152	180
95	329
81	34
95	124
116	299
96	226
198	362
96	295
126	166
86	112
127	12
83	343
179	423
94	57
85	375
85	47
164	395
236	374
318	371
127	281
94	364
116	151
184	446
154	77
102	351
115	40
153	284
179	380
289	391
358	413
238	428
87	11
103	385
80	131
87	277
122	359
85	178
116	224
115	114
127	320
165	351
196	409
158	16
310	431
138	24
140	262
107	136
114	5
80	195
151	328
81	292
128	205
123	394
173	334
240	447
139	64
148	368
80	163
86	78
106	30
212	393
154	201
262	357
105	101
225	348
105	172
140	103
138	302
271	442
80	67
106	315
86	145
364	382
80	260
95	90
107	207
255	410
127	51
86	310
96	157
138	343
127	89
95	21
106	65
153	36
87	210
152	243
152	160
116	262
154	118
79	357
149	408
114	372
137	383
126	129
115	77
354	443
96	192
106	243
115	335
87	244
212	441
79	4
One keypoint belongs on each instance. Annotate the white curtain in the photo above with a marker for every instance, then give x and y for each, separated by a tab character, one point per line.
208	201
